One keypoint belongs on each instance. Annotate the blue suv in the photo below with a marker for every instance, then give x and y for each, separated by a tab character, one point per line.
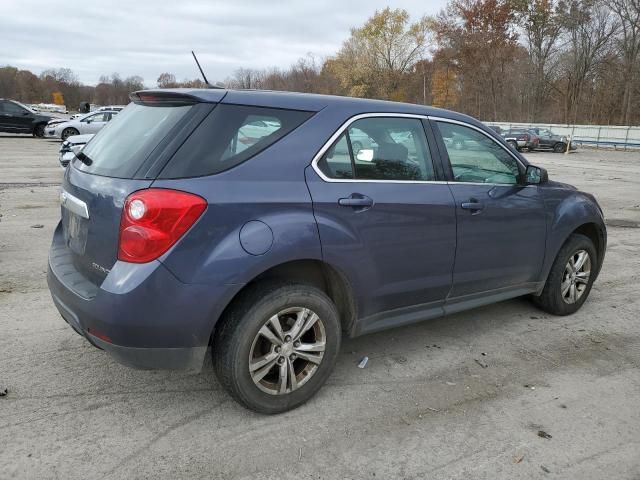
265	225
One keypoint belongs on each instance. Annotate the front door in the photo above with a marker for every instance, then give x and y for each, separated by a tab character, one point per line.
15	118
501	224
383	216
94	123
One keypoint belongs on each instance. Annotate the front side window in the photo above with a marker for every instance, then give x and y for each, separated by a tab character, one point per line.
380	148
475	157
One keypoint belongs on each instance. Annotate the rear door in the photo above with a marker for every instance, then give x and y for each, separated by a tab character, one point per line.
501	225
384	217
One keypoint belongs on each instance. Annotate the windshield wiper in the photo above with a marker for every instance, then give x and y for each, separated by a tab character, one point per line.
84	159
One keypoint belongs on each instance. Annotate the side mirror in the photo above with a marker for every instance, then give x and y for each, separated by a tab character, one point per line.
535	175
25	113
88	120
365	155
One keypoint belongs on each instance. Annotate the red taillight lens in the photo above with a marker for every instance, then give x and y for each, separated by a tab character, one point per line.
153	220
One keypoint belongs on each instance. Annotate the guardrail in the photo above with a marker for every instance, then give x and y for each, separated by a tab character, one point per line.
600	136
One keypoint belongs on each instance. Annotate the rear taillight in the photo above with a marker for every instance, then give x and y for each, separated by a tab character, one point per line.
153	220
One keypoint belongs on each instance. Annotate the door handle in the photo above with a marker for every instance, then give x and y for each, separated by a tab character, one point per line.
474	205
356	201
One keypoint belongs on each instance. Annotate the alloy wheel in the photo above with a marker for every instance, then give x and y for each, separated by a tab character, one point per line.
575	279
287	351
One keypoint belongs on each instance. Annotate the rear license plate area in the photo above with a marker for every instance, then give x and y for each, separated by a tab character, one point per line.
75	230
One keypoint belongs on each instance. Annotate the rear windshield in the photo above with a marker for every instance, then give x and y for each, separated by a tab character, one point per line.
122	146
230	135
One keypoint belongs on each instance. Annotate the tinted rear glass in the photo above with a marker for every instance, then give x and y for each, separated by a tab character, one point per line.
122	146
230	135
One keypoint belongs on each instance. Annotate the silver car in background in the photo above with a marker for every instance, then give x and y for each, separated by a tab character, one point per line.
90	123
71	147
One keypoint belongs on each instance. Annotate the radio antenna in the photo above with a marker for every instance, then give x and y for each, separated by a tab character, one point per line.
202	72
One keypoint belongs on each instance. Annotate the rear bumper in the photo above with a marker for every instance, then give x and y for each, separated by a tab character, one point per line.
146	358
141	314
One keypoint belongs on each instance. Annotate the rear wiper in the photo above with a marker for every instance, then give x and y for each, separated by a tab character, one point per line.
84	159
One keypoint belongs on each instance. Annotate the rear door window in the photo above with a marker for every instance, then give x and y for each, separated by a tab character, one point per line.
230	135
382	148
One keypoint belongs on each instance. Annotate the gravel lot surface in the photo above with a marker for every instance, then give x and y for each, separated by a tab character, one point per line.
422	408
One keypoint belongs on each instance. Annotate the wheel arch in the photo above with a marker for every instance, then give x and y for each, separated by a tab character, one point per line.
590	229
316	273
39	123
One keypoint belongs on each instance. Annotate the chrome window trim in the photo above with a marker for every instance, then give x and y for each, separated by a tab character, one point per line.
74	204
490	137
341	130
349	121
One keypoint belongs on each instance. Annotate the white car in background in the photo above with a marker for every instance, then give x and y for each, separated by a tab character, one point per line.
71	147
90	123
114	108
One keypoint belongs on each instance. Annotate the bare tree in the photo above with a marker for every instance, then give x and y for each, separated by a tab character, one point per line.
167	80
542	26
628	13
589	29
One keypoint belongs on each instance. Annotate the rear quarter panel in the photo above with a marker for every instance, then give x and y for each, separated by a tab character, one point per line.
269	188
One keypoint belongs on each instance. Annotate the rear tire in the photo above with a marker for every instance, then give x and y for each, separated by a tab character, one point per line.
559	148
68	132
513	144
567	287
253	355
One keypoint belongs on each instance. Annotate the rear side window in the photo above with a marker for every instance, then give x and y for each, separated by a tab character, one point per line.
230	135
122	146
380	148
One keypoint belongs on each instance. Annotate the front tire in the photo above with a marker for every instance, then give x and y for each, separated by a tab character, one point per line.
571	277
276	346
38	131
513	144
559	148
68	132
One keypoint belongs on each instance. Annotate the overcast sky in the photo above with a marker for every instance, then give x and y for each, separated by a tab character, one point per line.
148	37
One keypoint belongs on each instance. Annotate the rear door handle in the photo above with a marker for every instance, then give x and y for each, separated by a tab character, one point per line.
473	205
356	201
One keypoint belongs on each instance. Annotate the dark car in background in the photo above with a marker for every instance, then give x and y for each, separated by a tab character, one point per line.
178	236
551	141
18	118
521	138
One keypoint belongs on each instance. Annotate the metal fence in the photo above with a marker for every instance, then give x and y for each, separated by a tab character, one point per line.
598	136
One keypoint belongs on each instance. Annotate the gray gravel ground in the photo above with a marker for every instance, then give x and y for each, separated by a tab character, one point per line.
422	407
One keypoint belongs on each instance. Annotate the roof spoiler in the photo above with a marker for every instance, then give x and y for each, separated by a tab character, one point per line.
176	97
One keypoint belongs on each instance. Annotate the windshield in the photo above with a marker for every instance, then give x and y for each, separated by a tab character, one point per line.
122	146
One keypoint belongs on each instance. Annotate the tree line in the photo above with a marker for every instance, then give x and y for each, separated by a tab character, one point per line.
556	61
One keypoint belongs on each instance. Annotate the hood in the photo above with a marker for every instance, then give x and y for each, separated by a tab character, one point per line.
565	186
